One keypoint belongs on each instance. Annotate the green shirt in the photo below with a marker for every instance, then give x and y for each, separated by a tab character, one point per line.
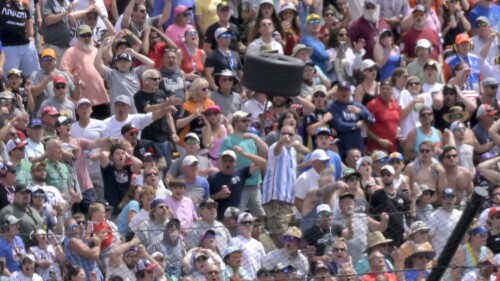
59	176
31	220
249	146
23	172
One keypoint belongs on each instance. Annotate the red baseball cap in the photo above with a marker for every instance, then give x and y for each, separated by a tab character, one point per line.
50	110
493	211
60	80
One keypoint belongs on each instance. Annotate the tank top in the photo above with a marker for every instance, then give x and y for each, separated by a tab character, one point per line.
190	63
368	97
434	138
392	63
213	152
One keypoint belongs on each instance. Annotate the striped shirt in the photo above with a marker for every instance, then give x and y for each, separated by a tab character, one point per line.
280	176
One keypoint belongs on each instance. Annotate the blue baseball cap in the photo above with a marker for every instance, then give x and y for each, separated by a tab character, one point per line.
35	123
323	131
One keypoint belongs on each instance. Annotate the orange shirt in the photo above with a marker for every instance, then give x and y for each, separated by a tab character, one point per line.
189	108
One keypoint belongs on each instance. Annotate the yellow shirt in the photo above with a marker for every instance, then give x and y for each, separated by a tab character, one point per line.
207	10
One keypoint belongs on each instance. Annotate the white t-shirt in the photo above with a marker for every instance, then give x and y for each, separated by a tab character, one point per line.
33	149
412	119
93	131
114	127
429	88
19	276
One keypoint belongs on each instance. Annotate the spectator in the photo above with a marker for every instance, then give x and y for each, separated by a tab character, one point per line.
443	220
27	271
224	14
145	199
49	119
484	38
386	54
494	234
214	133
378	268
182	207
367	27
150	231
13	248
233	260
123	259
486	269
266	41
252	250
383	133
348	119
423	51
142	146
463	54
423	132
173	79
457	22
423	208
226	186
311	39
48	254
377	244
173	247
418	239
152	177
424	169
22	167
289	254
134	17
197	187
208	211
178	28
79	61
192	60
228	100
459	178
290	23
487	9
129	206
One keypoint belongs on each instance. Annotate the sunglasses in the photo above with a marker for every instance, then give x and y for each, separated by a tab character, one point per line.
151	174
247	223
58	87
450	156
496	217
244	120
133	134
339	249
425	150
448	196
289	238
227	159
327	15
209	236
314	22
482	24
425	114
449	93
191	142
86	35
370	7
396	161
385	174
154	78
353	179
226	35
205	89
494	87
422	256
317	95
324	215
186	15
413	84
38	195
459	129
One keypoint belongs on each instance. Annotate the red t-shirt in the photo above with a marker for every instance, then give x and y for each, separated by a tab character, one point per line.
410	38
360	28
373	276
386	125
103	227
156	54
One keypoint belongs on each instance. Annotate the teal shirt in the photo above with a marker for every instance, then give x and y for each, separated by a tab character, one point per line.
23	172
58	175
249	146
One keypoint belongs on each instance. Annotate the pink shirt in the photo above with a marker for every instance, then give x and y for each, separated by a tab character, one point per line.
80	165
183	210
176	33
76	59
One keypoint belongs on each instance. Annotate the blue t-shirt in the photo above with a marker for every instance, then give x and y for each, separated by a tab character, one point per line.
492	13
335	164
122	217
12	253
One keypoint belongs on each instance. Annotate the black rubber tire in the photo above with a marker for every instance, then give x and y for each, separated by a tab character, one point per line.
273	74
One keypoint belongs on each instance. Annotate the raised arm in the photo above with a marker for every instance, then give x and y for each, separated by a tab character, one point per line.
165	15
98	62
258	162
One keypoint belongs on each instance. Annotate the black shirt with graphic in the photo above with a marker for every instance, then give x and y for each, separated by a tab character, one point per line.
235	183
158	130
144	146
13	17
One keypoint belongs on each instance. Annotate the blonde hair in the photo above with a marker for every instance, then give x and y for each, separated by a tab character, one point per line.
94	207
195	86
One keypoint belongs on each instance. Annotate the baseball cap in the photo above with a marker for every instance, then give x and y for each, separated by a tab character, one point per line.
189	160
431	64
287	6
323	208
50	110
379	155
313	16
222	4
231	249
490	81
448	193
35	123
11	220
82	101
8	95
229	153
129	128
106	204
15	143
7	166
294	232
83	29
347	172
388	168
266	2
38	164
123	99
483	19
48	52
241	115
485	109
245	216
29	257
144	264
462	38
424	43
320	89
193	136
63	120
365	64
220	31
232	211
346	195
213	108
15	71
323	131
363	159
20	188
395	155
299	47
60	79
418	8
181	9
319	155
158	202
123	56
344	85
456	124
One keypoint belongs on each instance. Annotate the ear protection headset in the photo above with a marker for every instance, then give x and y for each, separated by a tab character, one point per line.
455	47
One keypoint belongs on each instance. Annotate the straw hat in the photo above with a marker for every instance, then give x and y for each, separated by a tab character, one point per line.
456	113
422	248
376	238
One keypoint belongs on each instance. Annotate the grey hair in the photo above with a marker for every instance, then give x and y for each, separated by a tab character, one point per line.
149	73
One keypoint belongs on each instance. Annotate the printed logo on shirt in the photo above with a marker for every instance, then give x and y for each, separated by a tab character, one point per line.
235	180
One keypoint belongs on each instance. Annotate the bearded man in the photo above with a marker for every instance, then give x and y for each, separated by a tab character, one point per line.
79	60
367	27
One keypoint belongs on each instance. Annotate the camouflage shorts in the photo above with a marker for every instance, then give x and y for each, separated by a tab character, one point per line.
278	216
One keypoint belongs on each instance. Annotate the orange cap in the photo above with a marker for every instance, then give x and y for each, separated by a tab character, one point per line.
49	53
462	38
